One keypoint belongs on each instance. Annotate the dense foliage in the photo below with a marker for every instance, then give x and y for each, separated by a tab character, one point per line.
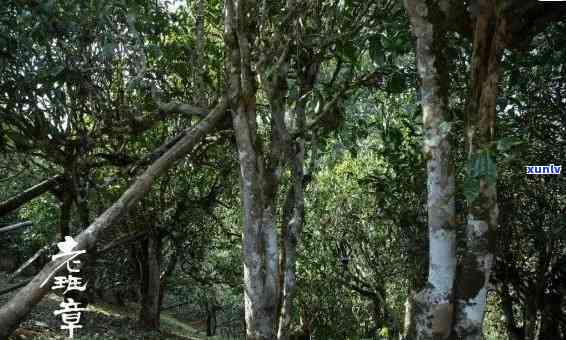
93	93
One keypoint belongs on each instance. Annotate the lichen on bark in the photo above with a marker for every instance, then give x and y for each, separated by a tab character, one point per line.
433	305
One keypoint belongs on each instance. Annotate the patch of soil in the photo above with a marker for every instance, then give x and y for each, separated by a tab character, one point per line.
96	324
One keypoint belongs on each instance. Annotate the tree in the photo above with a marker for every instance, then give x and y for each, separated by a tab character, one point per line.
495	27
527	272
251	41
434	307
314	100
12	313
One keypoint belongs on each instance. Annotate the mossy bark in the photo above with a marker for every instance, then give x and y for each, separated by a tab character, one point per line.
258	184
432	306
475	269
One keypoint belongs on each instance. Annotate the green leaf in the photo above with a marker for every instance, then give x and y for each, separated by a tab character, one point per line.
108	50
506	143
348	51
376	51
57	70
491	170
482	165
445	128
396	84
471	188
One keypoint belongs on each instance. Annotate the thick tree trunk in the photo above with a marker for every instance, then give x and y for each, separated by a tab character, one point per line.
409	320
83	211
258	184
261	168
22	302
260	249
27	195
433	305
475	269
259	238
211	321
151	283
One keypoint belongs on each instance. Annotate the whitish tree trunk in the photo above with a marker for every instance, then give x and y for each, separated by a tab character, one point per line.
261	165
260	234
258	179
22	302
259	241
475	269
433	304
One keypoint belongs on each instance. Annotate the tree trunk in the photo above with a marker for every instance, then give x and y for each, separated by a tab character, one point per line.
550	324
475	269
23	301
258	183
292	230
151	282
167	273
211	308
259	237
409	321
530	321
211	321
83	211
513	331
433	305
65	215
294	210
261	167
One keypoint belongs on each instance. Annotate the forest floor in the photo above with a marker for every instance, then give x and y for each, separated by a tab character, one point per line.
100	321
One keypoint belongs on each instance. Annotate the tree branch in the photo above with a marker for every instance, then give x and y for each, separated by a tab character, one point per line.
27	195
13	312
176	107
15	226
